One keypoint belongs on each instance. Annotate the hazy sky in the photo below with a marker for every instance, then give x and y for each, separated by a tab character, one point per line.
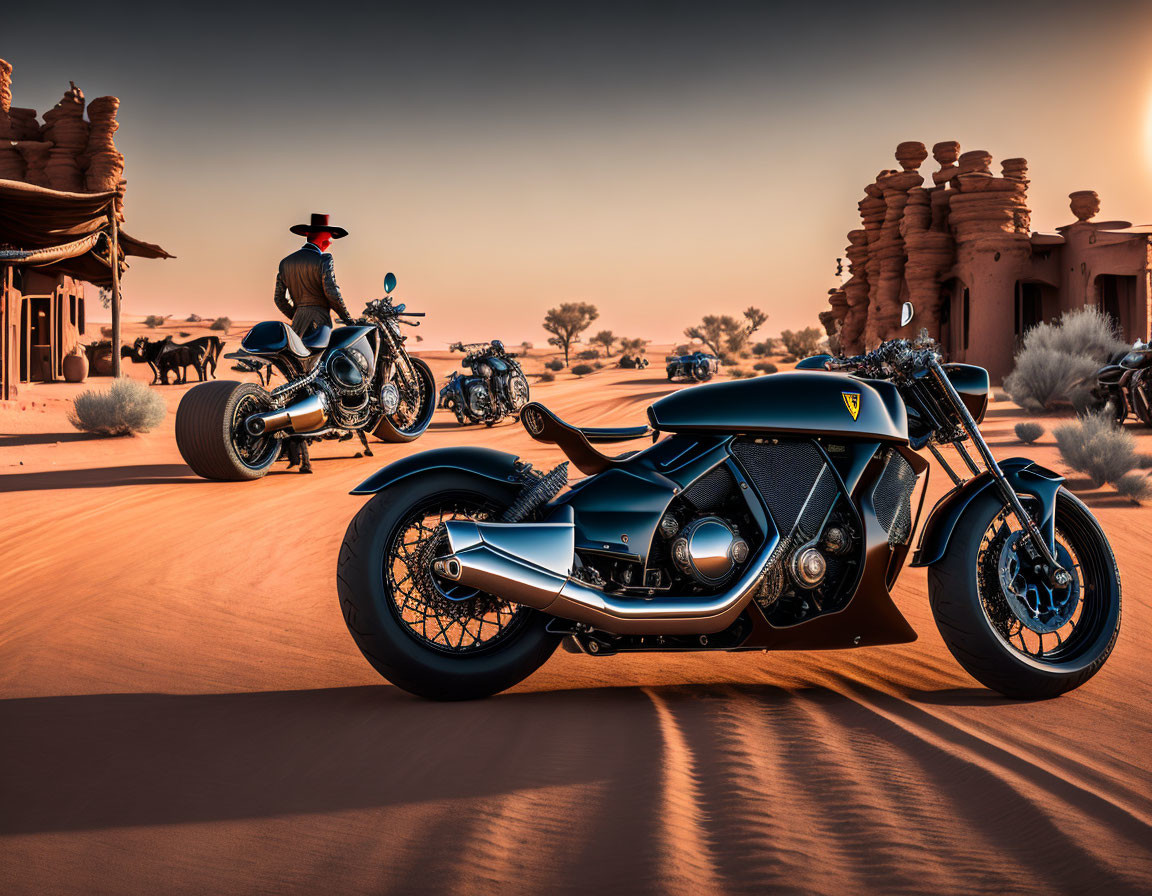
660	160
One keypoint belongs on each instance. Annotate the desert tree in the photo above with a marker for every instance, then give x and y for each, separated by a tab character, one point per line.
566	322
723	332
802	343
633	346
607	339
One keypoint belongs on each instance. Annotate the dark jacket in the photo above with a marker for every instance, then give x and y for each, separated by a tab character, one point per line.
309	278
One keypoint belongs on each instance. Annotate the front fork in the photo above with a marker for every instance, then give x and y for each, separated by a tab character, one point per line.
1043	542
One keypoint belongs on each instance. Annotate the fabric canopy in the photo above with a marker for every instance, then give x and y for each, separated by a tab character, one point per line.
66	228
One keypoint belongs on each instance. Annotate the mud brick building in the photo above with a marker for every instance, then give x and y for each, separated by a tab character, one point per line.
962	251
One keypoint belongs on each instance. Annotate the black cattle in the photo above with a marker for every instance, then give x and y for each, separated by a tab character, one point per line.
164	355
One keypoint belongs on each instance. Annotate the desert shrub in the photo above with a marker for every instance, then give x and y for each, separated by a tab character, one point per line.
154	320
789	359
106	332
193	319
682	349
583	369
1087	331
554	364
589	354
526	346
1144	461
741	373
1029	432
599	365
762	349
1058	361
1096	446
1135	487
1044	378
546	377
124	407
221	323
803	342
184	334
764	366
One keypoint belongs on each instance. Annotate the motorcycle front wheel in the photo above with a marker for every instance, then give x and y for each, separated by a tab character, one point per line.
1003	625
416	408
432	638
1141	392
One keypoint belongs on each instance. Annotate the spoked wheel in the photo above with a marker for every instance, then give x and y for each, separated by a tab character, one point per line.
518	390
1141	392
429	636
414	408
443	615
1001	620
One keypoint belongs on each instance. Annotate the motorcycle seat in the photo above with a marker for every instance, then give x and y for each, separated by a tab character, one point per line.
316	340
577	442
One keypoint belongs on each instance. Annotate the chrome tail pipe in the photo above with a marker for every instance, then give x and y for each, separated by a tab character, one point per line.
309	414
531	564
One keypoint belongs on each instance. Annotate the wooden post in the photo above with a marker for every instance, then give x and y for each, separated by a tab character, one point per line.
115	238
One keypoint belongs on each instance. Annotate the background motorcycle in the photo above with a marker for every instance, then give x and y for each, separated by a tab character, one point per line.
776	513
351	379
697	366
495	389
1125	384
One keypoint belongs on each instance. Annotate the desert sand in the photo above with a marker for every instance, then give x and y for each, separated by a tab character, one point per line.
183	711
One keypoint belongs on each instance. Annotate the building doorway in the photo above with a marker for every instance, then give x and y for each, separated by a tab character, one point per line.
36	339
1116	297
1035	303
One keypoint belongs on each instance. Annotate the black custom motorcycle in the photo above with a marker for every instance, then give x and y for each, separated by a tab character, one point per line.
340	382
1125	384
698	367
773	513
494	389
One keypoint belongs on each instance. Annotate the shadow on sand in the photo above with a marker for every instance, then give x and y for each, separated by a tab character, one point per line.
47	438
98	477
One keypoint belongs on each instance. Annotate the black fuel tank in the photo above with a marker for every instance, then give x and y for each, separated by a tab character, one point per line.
796	402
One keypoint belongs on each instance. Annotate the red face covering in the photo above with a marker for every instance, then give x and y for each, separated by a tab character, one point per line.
322	240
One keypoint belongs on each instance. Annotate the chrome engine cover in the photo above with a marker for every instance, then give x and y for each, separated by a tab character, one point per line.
708	550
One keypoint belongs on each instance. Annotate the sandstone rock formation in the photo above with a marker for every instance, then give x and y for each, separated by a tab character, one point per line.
913	236
69	152
1085	204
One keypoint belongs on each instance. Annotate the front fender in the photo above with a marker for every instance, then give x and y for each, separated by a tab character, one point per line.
486	462
1025	477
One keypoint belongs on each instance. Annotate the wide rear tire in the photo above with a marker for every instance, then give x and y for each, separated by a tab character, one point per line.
371	599
206	422
982	648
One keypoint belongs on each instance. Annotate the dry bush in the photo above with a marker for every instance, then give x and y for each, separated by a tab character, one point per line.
765	348
106	332
583	369
221	323
193	319
124	407
155	320
764	366
589	354
599	365
739	373
1058	362
1135	487
1044	378
802	343
682	349
554	364
1096	446
184	334
1087	332
546	377
1029	432
1144	461
789	359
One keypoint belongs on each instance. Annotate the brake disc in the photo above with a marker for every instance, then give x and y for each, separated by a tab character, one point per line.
1039	607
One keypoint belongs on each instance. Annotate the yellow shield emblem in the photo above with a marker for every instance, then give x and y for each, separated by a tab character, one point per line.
852	402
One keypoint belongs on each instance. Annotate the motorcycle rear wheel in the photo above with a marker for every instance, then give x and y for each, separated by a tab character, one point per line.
1141	391
983	627
400	617
211	436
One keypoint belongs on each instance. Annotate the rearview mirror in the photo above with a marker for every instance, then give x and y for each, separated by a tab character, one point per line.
389	282
907	312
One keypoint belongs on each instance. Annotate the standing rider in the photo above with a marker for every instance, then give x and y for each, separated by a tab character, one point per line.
307	294
306	290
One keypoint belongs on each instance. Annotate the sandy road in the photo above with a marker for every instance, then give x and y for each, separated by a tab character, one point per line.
182	710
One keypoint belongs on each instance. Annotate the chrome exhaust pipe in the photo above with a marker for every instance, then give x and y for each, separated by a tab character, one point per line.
308	414
531	564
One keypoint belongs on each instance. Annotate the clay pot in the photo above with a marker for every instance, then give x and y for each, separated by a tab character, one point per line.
75	367
1085	204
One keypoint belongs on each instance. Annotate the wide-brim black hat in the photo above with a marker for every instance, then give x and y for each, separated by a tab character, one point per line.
319	225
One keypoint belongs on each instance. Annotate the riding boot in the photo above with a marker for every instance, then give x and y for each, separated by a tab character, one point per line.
364	441
305	462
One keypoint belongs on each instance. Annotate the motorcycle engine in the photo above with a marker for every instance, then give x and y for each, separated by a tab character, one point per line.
708	550
346	382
